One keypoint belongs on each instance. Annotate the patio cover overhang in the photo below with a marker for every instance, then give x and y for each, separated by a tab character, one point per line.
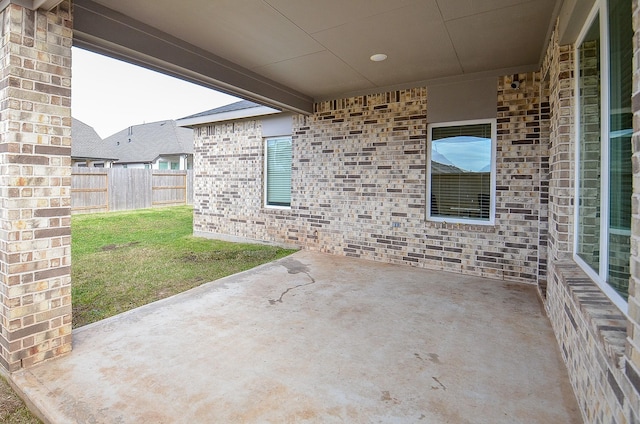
289	54
45	5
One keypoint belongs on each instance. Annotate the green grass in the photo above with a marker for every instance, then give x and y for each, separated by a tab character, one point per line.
12	408
123	260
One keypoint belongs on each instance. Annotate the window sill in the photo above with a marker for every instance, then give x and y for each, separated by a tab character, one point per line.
276	210
604	320
472	227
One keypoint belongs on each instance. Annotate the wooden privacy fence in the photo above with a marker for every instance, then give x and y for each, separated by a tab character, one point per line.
115	189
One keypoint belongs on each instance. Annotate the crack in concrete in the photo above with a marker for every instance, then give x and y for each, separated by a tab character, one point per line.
438	381
279	300
293	267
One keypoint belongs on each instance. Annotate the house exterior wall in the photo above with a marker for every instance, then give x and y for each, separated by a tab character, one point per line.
35	182
131	165
596	339
632	351
359	189
91	163
180	162
359	185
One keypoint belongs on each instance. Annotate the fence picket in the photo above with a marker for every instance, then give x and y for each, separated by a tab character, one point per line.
113	189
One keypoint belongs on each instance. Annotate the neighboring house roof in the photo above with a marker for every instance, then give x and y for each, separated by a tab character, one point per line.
146	142
241	105
87	144
237	110
441	168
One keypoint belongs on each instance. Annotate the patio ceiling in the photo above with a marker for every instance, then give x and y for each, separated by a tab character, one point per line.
289	53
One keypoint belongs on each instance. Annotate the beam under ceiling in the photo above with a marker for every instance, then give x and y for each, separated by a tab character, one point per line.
45	4
103	30
31	4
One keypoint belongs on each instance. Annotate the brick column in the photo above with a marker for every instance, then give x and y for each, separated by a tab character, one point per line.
35	182
561	189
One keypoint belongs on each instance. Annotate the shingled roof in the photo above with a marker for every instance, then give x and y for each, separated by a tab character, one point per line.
242	104
237	110
441	168
87	144
146	142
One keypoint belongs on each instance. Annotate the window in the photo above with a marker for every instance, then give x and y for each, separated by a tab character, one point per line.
163	165
461	170
278	172
604	55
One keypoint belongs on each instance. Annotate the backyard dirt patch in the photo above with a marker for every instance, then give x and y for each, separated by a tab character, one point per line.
110	247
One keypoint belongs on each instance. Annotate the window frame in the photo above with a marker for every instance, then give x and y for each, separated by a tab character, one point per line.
266	169
492	202
599	11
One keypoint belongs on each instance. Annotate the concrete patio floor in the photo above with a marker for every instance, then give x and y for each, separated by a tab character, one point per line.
316	338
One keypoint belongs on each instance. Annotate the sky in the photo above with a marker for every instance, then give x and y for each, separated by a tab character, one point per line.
468	153
110	95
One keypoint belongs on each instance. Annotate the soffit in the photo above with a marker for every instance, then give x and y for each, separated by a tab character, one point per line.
322	48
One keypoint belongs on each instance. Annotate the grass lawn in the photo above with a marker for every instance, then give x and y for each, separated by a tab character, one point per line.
12	409
122	260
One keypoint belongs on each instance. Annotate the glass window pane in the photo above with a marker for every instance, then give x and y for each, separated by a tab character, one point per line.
278	172
621	128
588	237
461	172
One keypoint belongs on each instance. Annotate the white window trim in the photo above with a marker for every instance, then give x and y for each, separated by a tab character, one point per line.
600	278
264	176
492	210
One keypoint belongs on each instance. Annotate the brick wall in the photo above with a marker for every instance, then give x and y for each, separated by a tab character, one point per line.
359	185
523	172
228	203
545	179
590	329
558	77
35	179
632	356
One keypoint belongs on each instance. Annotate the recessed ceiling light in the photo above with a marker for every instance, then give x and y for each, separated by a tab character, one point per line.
378	57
